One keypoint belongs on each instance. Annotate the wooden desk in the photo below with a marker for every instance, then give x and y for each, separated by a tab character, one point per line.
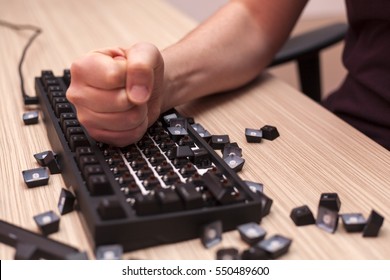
315	153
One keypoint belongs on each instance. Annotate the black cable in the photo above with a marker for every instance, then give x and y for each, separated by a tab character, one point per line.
28	100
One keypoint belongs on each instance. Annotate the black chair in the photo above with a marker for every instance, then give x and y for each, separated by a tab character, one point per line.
305	50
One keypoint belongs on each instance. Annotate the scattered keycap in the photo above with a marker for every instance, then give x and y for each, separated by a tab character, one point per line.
270	132
211	234
302	216
31	117
353	222
48	222
66	202
228	254
374	224
36	177
330	201
253	135
275	246
109	252
255	253
50	160
251	233
327	219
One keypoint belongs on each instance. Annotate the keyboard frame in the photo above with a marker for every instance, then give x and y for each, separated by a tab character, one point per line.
137	232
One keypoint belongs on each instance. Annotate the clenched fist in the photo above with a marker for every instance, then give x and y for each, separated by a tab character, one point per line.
118	92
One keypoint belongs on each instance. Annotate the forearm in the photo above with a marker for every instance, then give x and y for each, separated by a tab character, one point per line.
225	52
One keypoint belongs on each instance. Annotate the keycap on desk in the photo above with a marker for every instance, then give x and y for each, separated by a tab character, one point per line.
253	135
48	222
353	222
327	219
276	245
251	233
270	132
374	224
109	252
36	177
66	202
31	117
211	234
50	161
330	201
302	216
228	254
255	253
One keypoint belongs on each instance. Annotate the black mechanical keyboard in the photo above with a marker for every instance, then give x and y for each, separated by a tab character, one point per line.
160	190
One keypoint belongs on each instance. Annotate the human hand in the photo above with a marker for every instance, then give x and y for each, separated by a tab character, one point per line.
117	92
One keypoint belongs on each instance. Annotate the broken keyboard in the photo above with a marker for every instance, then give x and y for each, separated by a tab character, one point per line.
160	190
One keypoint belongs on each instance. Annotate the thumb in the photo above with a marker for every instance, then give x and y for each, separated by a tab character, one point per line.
142	59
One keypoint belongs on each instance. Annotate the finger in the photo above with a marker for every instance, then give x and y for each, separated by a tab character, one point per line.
102	69
99	100
142	60
120	121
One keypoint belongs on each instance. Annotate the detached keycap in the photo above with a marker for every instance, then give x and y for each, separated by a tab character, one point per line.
276	245
66	202
327	219
109	252
353	222
30	117
48	222
50	160
253	135
374	223
228	254
212	234
270	132
330	201
302	216
36	177
251	233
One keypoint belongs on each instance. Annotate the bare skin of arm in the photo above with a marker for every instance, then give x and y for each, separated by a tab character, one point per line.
119	92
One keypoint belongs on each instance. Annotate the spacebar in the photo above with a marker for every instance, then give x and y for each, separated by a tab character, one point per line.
40	247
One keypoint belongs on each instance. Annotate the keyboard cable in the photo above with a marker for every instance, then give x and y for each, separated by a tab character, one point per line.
28	100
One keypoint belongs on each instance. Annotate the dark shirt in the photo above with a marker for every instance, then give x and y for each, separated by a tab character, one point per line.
363	99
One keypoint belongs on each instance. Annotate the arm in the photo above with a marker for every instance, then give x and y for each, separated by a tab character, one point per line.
229	49
129	88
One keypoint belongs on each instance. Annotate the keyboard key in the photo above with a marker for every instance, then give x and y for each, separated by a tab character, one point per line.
99	185
374	224
169	200
36	177
111	209
66	202
48	222
31	117
190	196
270	132
302	216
